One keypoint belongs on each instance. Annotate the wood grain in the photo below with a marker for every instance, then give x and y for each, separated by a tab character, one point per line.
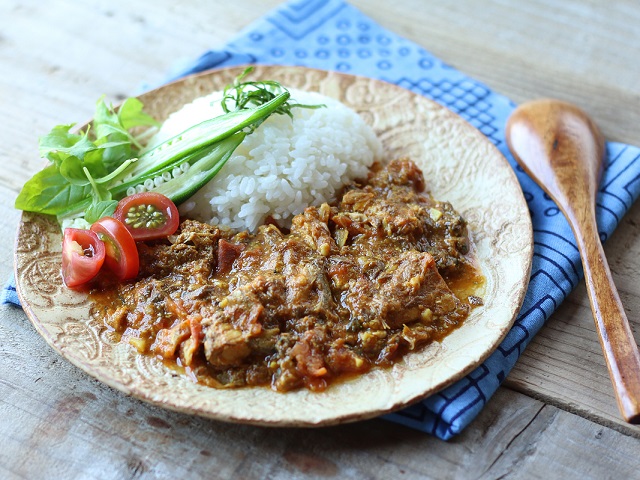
64	418
58	56
581	52
562	149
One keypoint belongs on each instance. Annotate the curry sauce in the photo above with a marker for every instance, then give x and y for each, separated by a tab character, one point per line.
351	286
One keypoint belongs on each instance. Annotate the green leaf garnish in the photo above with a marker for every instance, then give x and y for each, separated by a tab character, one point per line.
50	193
131	115
91	169
100	209
60	143
71	168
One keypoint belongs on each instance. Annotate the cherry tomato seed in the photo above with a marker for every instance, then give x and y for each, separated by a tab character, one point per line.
145	216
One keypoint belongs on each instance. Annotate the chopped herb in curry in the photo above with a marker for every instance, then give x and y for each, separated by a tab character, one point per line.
352	286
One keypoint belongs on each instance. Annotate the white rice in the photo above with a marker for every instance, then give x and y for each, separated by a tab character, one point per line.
282	167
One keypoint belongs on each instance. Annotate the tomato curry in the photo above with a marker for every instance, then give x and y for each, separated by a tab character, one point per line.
349	287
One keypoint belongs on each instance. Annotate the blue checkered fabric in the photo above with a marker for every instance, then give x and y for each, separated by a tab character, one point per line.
332	35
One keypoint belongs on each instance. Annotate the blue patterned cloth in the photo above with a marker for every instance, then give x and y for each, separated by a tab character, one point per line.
9	294
332	35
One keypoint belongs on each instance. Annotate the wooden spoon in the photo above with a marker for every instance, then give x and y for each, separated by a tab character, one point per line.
561	148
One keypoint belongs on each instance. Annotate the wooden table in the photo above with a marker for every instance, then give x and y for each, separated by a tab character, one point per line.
555	416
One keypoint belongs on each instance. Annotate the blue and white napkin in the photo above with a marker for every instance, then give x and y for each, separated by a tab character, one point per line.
332	35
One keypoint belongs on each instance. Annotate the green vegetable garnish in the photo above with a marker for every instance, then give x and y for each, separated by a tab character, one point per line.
245	95
92	169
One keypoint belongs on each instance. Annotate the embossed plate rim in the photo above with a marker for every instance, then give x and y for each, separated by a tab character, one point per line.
423	130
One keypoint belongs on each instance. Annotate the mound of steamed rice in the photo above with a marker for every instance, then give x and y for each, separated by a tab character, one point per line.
282	167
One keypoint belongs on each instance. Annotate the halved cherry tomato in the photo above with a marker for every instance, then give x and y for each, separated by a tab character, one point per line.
83	254
148	215
121	251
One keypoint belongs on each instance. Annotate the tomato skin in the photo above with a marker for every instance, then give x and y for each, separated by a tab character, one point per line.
148	215
121	253
83	254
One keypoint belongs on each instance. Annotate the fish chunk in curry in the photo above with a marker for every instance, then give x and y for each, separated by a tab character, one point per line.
349	287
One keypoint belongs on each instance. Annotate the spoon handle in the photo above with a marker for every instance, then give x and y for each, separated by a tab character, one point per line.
562	149
618	345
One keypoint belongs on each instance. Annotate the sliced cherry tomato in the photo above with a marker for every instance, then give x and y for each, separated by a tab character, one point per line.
120	247
83	254
148	215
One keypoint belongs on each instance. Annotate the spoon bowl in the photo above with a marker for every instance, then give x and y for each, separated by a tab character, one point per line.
562	149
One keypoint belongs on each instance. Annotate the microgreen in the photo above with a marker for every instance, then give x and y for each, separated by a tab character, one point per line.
242	95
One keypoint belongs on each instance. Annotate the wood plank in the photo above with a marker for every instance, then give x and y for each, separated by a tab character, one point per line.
75	427
593	72
56	77
578	51
564	363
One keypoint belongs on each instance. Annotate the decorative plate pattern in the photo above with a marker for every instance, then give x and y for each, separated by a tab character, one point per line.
460	165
